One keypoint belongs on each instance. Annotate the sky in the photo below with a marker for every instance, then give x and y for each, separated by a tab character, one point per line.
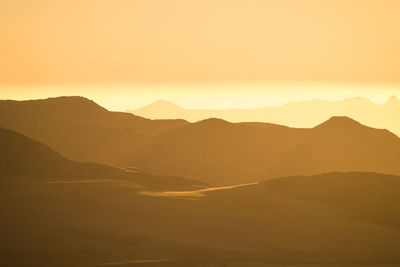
200	51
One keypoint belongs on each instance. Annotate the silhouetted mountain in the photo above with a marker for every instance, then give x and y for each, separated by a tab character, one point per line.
79	128
294	114
213	150
162	109
342	144
339	122
334	219
23	157
219	152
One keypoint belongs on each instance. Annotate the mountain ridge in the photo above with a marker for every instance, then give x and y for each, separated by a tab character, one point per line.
301	114
246	152
213	150
80	129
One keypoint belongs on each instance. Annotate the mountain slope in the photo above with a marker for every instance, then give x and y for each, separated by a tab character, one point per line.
220	152
25	158
79	128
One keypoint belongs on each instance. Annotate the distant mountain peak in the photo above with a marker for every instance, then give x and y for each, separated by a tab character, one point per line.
339	121
162	105
393	100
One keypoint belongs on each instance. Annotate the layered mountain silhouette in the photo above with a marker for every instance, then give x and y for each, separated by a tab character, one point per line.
334	219
294	114
80	129
61	212
22	157
213	151
219	152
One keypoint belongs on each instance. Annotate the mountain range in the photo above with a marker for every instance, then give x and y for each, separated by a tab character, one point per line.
212	151
294	114
80	129
220	153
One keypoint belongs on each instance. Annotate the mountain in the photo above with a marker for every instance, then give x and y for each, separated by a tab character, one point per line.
213	151
333	219
162	109
22	157
342	144
294	114
80	129
221	153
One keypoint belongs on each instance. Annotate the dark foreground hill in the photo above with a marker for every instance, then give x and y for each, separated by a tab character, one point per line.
335	219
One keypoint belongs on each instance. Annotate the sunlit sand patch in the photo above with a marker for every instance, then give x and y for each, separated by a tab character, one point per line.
80	181
131	169
191	194
136	261
97	181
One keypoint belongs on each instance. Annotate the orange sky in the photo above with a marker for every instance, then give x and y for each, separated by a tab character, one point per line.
126	41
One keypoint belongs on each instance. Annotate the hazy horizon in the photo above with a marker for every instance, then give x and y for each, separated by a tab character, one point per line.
207	95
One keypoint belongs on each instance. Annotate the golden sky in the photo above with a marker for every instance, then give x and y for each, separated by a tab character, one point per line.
104	49
98	41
